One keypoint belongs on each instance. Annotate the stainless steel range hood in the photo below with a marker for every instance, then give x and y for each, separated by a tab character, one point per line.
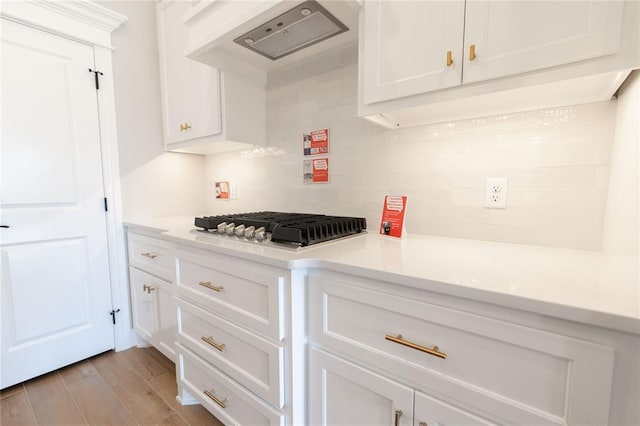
302	26
253	37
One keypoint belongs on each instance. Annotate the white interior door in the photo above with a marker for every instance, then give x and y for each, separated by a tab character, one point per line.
55	292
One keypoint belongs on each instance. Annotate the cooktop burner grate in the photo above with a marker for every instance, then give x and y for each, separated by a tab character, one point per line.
292	228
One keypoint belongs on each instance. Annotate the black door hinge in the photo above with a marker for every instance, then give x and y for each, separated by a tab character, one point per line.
113	315
95	73
106	205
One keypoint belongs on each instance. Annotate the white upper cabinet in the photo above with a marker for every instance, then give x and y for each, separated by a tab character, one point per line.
412	47
512	37
192	89
429	61
204	110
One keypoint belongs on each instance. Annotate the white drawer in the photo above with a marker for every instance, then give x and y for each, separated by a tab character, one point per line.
227	400
151	255
246	293
525	374
251	360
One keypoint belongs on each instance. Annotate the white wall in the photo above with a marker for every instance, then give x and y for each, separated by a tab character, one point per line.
154	183
557	162
622	227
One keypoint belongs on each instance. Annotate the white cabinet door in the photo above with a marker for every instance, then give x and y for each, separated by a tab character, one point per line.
341	393
513	37
191	90
55	285
431	411
154	311
167	323
145	304
406	44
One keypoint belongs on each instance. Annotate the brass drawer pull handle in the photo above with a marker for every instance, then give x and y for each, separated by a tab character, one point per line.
397	417
211	394
147	288
431	351
149	255
472	52
184	127
449	58
209	340
208	284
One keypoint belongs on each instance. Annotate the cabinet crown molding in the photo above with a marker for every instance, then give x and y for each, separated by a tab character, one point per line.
82	20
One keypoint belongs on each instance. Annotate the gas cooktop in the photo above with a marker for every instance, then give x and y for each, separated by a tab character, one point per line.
298	229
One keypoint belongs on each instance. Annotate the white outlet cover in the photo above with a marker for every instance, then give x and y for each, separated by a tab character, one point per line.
495	193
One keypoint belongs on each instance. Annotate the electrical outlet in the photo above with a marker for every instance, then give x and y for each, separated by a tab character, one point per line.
495	193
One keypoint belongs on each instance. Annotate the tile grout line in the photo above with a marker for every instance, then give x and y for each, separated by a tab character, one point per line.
75	403
160	395
114	393
3	392
169	404
33	412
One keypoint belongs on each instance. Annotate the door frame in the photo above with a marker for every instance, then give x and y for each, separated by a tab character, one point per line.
92	24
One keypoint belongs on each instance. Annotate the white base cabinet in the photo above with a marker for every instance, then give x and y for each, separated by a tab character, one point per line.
342	393
236	344
223	397
262	345
152	294
461	364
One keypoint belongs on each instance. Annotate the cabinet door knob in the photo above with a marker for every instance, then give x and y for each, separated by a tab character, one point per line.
397	416
184	127
449	58
472	52
147	288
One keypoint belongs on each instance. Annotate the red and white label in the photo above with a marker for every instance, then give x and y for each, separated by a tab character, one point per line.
316	142
393	215
316	171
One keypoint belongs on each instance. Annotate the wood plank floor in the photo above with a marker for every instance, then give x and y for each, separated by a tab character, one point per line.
132	387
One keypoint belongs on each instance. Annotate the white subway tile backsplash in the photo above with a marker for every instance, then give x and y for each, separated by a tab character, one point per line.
556	160
553	177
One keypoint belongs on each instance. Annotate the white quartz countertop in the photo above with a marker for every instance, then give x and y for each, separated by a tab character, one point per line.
584	286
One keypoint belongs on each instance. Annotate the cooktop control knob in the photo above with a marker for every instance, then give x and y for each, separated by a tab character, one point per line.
221	227
249	232
261	234
239	230
230	228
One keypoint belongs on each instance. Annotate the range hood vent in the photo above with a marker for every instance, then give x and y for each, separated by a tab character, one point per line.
303	26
